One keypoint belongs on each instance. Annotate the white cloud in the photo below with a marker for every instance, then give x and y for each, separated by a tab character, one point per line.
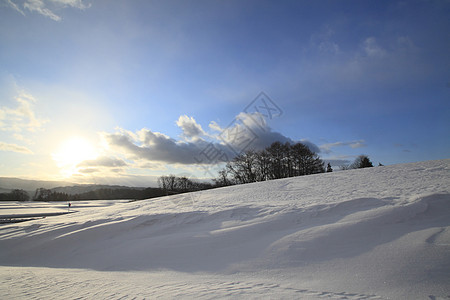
191	129
72	3
249	131
22	117
374	61
14	6
323	41
20	137
14	148
214	126
47	7
372	49
326	148
40	7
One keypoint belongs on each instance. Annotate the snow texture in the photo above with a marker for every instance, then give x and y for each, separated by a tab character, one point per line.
375	233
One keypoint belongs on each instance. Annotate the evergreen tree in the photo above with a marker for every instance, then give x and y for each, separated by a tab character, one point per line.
362	161
329	168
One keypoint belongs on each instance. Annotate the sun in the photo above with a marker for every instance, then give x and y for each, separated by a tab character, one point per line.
71	152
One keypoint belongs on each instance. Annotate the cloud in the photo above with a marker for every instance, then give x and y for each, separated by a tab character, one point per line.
313	147
214	126
39	7
323	41
372	49
88	171
72	3
385	61
248	131
22	117
372	62
253	127
151	165
47	7
20	137
191	129
103	161
101	166
326	148
14	6
154	146
14	148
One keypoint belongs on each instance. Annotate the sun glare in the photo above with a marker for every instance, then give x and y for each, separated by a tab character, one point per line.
71	152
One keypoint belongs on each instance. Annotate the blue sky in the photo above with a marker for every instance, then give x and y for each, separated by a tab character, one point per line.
125	91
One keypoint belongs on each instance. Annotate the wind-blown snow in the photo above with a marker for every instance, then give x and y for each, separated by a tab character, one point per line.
376	233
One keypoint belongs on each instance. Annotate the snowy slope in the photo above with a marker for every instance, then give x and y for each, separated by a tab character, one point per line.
373	233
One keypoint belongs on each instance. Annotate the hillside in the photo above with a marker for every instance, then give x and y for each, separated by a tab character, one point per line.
8	184
376	233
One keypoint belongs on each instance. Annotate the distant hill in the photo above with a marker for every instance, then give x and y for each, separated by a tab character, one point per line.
83	188
2	190
7	184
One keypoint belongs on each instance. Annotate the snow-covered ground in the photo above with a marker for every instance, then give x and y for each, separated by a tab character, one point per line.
11	209
377	233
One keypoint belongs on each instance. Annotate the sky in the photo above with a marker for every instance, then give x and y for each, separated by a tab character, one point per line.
122	92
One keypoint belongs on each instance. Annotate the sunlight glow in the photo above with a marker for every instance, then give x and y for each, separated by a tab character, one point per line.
71	152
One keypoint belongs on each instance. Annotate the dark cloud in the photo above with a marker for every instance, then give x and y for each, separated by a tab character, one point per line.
153	146
103	161
88	171
250	131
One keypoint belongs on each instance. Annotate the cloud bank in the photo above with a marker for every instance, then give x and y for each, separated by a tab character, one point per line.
103	161
248	131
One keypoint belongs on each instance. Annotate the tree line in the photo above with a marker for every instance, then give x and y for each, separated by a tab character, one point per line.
99	194
43	194
15	195
172	184
274	162
361	161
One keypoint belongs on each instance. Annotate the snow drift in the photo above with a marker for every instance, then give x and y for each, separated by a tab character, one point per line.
372	233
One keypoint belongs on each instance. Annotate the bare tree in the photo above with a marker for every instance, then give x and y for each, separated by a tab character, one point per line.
276	161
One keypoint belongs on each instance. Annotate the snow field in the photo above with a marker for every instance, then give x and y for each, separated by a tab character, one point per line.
378	233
